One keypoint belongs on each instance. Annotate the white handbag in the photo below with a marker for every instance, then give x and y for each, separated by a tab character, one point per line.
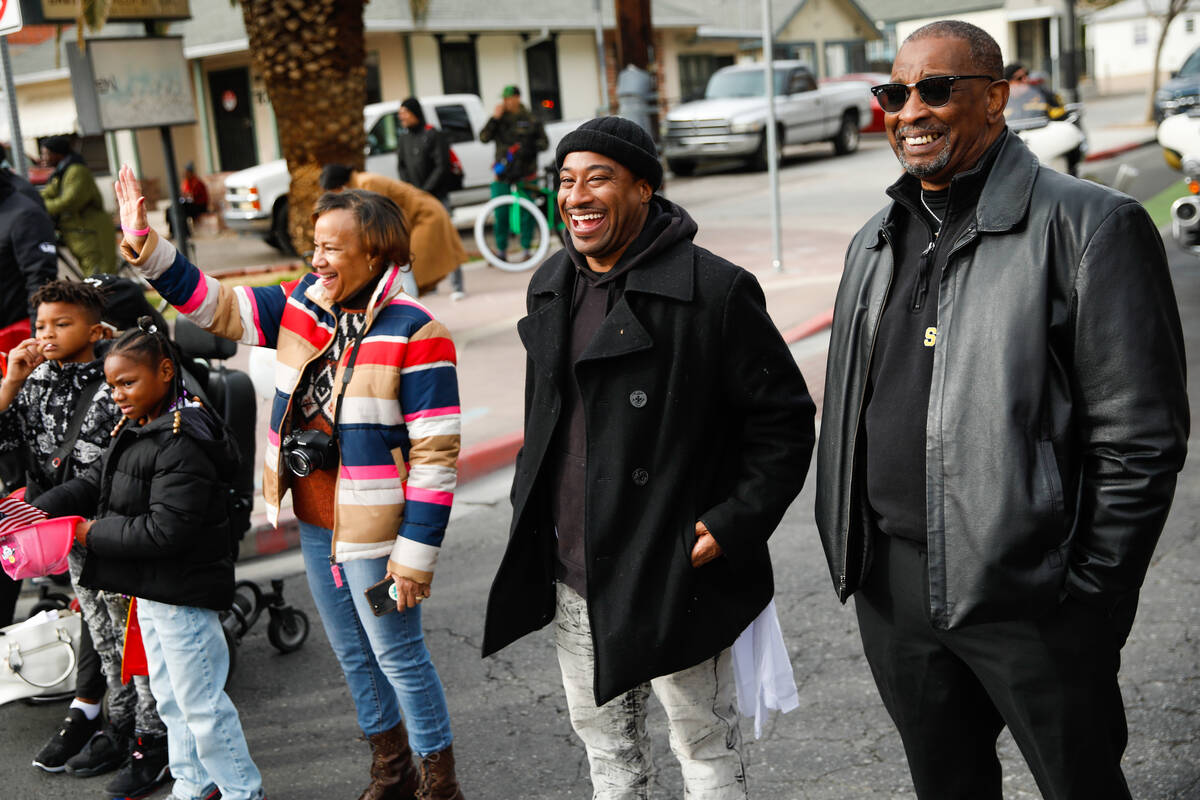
38	656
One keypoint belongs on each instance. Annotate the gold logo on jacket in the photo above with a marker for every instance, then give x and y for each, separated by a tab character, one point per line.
930	336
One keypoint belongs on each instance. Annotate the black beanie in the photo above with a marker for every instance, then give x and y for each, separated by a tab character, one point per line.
414	107
620	139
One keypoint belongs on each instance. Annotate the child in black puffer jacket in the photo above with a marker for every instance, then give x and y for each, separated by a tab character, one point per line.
159	530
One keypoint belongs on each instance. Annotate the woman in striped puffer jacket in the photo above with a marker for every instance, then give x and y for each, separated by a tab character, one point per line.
360	363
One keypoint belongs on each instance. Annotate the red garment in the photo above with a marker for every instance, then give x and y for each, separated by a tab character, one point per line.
10	337
194	191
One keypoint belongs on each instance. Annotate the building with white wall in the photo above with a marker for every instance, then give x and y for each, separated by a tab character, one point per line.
1122	39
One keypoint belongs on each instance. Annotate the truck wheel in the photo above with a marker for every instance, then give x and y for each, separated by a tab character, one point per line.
682	167
758	161
279	238
846	140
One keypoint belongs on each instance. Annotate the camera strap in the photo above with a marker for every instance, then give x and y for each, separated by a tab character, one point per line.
337	409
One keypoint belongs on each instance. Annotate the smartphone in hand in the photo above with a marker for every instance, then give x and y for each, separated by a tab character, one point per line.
382	596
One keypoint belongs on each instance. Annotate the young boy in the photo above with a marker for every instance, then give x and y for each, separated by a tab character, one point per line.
57	410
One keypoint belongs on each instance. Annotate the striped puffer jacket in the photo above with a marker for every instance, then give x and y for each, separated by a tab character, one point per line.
399	426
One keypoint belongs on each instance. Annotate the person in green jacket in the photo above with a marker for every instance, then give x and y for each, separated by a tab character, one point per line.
73	200
519	137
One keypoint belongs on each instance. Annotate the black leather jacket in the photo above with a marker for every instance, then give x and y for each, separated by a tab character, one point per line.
1058	413
423	159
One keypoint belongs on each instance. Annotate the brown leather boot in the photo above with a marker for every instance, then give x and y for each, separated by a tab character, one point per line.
393	775
437	777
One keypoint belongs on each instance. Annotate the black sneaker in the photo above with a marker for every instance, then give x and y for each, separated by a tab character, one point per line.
144	771
103	753
72	735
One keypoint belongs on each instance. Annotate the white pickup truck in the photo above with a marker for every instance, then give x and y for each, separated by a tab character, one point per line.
256	198
731	120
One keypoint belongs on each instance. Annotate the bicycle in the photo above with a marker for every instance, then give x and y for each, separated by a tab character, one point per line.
537	198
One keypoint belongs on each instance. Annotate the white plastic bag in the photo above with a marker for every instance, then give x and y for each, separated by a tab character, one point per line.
762	670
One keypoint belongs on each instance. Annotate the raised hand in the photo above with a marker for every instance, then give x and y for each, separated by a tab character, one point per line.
132	206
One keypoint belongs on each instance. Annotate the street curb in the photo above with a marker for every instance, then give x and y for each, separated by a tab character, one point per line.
809	327
1101	155
475	462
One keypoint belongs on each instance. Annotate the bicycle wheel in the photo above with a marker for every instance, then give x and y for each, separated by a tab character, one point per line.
485	248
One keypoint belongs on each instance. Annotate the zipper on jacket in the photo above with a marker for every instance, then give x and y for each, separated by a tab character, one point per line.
921	284
968	236
842	580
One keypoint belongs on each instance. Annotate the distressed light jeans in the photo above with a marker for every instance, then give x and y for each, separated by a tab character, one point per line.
701	714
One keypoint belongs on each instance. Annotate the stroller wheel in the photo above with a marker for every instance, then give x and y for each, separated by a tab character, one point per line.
248	599
287	629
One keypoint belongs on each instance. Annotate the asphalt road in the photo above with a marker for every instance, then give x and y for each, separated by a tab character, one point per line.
513	738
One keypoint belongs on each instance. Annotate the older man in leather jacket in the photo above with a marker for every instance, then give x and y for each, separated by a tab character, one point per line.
1005	414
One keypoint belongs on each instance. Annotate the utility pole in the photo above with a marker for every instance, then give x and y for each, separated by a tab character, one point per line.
634	42
636	91
768	42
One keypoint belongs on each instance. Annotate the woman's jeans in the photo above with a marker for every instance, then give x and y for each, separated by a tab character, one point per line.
384	659
189	661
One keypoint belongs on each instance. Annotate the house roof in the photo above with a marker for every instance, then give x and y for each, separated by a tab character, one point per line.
855	8
517	15
901	10
1131	9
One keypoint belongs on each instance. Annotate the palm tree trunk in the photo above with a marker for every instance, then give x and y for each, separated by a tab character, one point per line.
312	57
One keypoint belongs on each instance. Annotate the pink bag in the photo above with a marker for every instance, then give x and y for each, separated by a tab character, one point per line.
38	549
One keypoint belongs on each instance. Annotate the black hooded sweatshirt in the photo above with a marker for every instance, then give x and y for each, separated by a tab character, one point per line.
595	295
162	511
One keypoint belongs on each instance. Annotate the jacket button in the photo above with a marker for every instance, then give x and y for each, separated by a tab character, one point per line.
640	477
637	398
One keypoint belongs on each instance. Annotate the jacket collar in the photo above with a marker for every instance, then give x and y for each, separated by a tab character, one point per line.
669	275
387	288
1006	195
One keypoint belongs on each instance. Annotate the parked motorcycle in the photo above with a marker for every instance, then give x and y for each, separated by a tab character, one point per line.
1179	136
1054	133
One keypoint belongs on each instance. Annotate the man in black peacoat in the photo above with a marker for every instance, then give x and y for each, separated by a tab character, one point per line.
667	429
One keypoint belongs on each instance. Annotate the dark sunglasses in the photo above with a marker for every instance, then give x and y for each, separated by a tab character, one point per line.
935	92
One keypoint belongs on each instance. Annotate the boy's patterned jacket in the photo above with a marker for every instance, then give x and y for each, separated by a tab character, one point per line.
399	428
39	416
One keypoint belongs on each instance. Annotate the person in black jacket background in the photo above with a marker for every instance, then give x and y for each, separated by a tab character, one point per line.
157	527
28	257
423	156
1005	414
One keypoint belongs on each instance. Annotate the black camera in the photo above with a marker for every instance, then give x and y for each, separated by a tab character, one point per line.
305	452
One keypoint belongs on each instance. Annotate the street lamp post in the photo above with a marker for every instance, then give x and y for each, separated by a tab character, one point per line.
772	139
